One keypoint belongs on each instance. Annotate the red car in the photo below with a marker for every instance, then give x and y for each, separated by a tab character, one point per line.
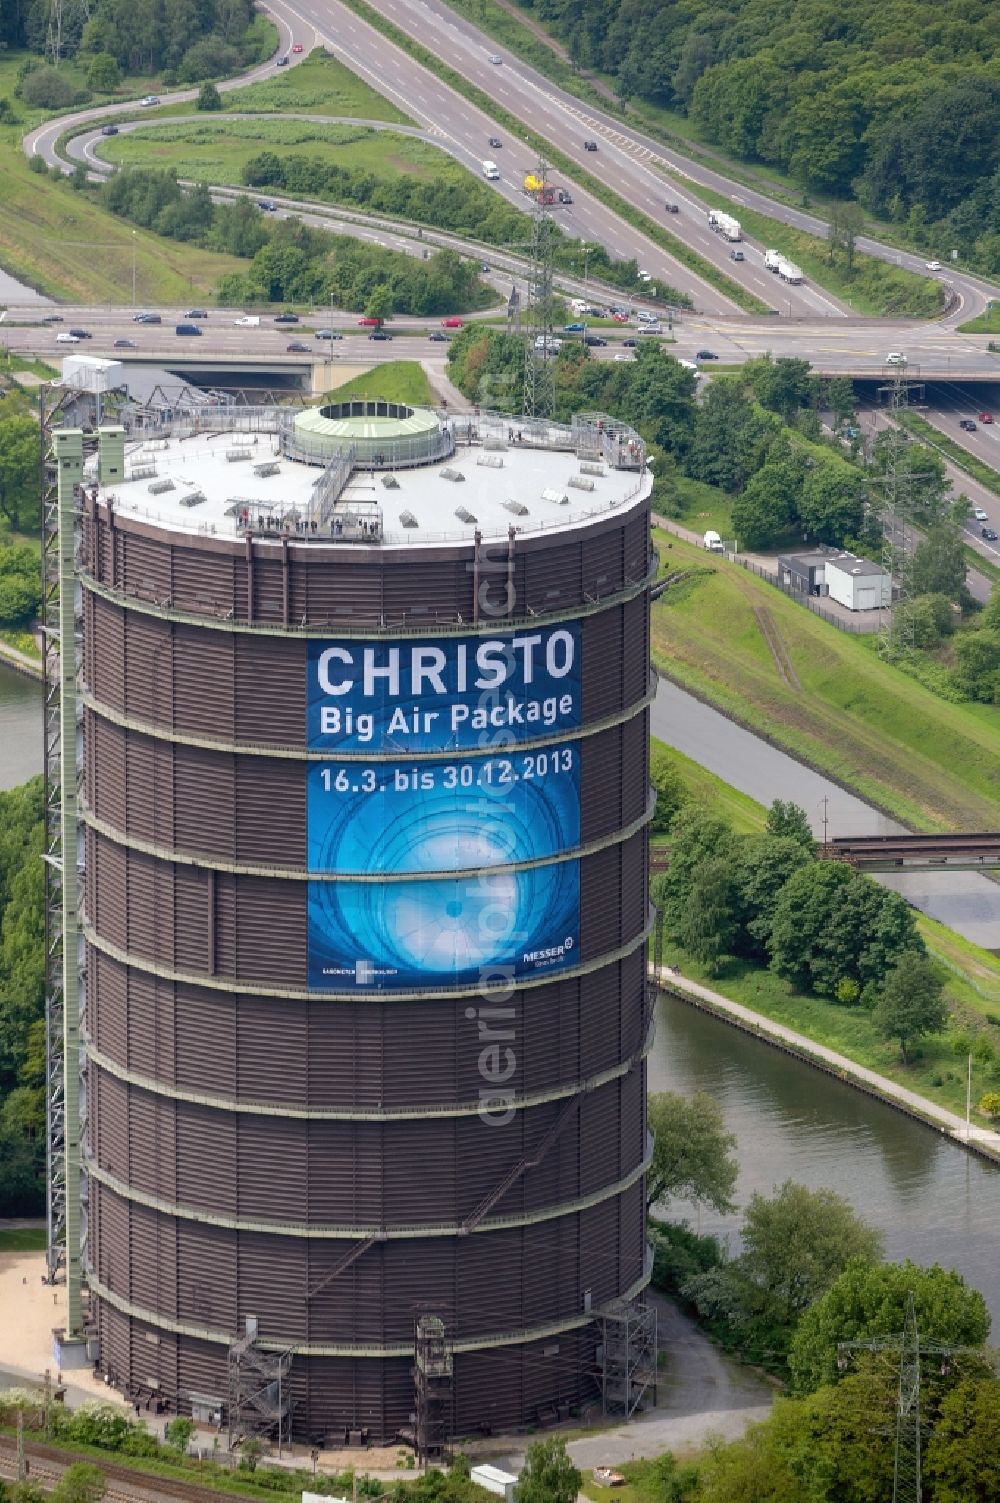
369	323
297	47
986	417
451	323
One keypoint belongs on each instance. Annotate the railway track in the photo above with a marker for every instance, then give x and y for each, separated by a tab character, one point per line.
46	1465
978	850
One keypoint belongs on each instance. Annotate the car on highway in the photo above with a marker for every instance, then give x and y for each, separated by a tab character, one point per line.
623	359
736	255
989	533
282	62
109	130
894	357
706	355
672	208
53	318
979	514
620	318
629	344
986	417
65	338
495	142
574	328
452	323
369	323
146	318
594	341
81	333
495	59
590	145
328	334
440	338
379	334
196	313
564	196
297	348
968	425
644	276
934	266
649	329
268	205
191	330
125	344
297	47
148	100
286	318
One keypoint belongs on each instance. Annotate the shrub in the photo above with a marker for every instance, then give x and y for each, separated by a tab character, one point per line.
48	89
104	74
209	58
37	164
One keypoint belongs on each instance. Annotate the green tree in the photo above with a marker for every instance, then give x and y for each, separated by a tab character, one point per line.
911	1004
962	1460
938	566
785	818
832	923
784	385
548	1475
20	472
831	504
731	436
80	1483
179	1432
666	779
769	504
709	927
749	1470
869	1300
209	98
692	1153
103	73
795	1245
989	1105
380	303
841	398
762	866
977	665
695	837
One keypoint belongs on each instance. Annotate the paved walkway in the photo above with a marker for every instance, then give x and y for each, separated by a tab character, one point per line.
949	1122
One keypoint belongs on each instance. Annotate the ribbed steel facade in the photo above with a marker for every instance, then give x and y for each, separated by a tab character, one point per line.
244	1131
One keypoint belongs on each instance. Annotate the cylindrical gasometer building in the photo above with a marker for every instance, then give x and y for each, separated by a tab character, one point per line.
365	799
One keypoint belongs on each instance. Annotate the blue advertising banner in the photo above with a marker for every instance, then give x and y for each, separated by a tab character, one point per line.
443	931
446	816
444	694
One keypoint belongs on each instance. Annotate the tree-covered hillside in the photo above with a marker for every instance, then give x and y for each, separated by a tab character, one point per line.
898	103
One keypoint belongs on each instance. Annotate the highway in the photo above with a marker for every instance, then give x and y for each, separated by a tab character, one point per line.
567	121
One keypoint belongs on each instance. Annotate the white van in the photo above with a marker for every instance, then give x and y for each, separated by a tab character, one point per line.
491	170
713	542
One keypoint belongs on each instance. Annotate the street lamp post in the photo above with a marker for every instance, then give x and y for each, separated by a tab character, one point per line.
133	268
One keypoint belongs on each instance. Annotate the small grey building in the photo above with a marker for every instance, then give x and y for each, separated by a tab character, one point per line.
804	572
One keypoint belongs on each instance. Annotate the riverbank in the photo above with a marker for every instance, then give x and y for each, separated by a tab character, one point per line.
14	658
984	1142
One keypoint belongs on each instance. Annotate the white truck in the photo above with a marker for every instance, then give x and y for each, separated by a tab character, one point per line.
789	272
772	259
725	224
713	542
248	321
491	171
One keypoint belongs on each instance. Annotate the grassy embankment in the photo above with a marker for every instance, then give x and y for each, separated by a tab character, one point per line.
319	85
395	381
679	132
986	323
971	976
65	246
557	159
215	150
857	719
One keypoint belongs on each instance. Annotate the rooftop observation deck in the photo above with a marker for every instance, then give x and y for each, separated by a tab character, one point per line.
371	473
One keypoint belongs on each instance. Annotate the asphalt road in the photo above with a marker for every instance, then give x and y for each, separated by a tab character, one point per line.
567	121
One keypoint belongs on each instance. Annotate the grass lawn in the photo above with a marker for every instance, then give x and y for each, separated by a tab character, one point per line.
11	364
860	720
395	381
21	1238
62	243
986	323
317	86
215	150
746	816
701	506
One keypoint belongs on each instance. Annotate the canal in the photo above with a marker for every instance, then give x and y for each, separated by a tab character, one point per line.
934	1202
21	748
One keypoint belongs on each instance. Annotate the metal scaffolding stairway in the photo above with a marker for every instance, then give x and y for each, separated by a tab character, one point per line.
260	1400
